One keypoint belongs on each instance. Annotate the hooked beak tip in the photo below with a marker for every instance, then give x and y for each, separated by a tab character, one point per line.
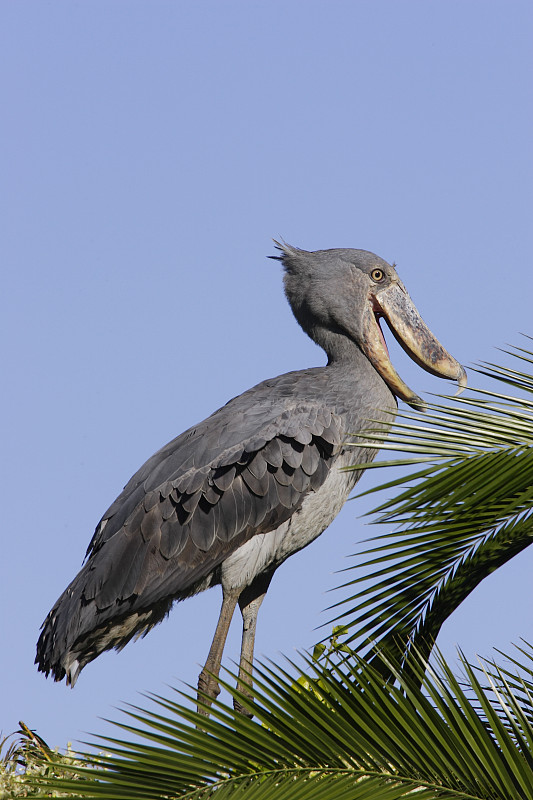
462	381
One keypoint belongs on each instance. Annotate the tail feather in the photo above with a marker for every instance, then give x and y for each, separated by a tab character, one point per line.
75	631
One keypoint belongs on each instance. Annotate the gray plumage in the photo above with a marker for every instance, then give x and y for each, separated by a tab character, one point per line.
234	496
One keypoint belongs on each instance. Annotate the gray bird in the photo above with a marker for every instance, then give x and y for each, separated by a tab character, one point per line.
234	496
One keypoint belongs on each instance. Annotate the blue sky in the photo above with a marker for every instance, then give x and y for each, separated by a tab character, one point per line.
149	152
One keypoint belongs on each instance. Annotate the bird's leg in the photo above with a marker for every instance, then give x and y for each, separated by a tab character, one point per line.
249	603
208	688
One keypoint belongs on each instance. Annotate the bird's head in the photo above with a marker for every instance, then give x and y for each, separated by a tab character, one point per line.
343	294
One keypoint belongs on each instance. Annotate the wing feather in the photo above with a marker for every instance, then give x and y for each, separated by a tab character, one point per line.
258	465
258	486
272	453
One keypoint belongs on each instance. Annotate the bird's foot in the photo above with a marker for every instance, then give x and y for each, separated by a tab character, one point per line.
244	686
208	690
240	709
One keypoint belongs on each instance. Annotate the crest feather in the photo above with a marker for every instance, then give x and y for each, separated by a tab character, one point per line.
286	250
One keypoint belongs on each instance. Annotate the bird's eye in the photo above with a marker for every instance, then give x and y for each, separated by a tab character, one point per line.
377	275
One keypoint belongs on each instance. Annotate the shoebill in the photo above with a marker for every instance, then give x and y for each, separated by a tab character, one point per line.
233	497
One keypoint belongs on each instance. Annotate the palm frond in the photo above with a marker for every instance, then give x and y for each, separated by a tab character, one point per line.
345	734
467	511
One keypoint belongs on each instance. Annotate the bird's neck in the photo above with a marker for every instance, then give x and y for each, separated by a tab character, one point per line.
338	347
